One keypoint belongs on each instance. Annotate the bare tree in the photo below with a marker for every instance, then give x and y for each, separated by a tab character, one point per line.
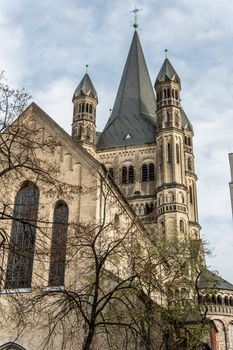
121	290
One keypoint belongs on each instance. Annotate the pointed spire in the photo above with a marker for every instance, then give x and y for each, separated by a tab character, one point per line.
85	88
135	105
167	72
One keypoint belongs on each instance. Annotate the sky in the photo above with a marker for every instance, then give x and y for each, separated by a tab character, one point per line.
45	46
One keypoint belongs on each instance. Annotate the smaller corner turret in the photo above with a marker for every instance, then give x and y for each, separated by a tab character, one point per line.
168	87
85	100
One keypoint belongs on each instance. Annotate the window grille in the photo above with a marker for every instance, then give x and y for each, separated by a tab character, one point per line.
131	174
23	234
58	246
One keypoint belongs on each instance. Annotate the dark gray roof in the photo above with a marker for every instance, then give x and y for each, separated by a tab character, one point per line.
209	280
85	87
186	124
133	119
167	72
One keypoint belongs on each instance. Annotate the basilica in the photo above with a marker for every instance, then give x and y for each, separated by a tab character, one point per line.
146	153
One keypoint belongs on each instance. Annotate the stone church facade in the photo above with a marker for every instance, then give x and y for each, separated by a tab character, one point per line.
146	152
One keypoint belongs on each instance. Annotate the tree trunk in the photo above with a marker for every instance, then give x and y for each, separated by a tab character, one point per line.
89	338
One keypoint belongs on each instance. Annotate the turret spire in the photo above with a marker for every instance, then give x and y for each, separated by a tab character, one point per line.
85	99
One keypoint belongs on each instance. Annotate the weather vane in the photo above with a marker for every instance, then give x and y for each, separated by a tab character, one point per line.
166	51
86	68
135	11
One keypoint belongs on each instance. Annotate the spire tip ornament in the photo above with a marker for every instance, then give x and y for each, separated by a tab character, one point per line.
135	11
166	51
86	68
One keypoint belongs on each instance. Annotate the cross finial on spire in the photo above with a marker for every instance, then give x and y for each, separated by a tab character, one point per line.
86	68
166	51
135	11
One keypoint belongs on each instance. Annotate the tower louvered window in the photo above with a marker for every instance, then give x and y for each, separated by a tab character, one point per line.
111	173
169	153
144	172
148	172
124	175
177	153
131	174
23	235
127	174
58	246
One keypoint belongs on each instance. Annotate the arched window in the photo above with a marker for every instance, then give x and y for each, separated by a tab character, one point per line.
111	173
124	175
58	246
90	109
127	174
144	172
151	172
181	226
169	153
190	194
11	346
177	153
23	235
219	300
190	164
160	155
131	174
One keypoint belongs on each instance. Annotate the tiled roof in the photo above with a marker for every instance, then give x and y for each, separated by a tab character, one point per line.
209	280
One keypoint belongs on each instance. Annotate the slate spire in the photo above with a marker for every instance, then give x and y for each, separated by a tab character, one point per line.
85	87
133	116
167	72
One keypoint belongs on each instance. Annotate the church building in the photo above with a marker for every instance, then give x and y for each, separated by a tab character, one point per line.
146	154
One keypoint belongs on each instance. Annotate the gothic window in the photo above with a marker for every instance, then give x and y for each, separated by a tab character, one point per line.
182	226
169	153
23	234
173	95
124	174
190	194
165	93
148	172
90	109
144	172
82	107
127	174
58	246
177	153
168	93
160	155
87	106
151	172
131	174
176	94
79	107
111	173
